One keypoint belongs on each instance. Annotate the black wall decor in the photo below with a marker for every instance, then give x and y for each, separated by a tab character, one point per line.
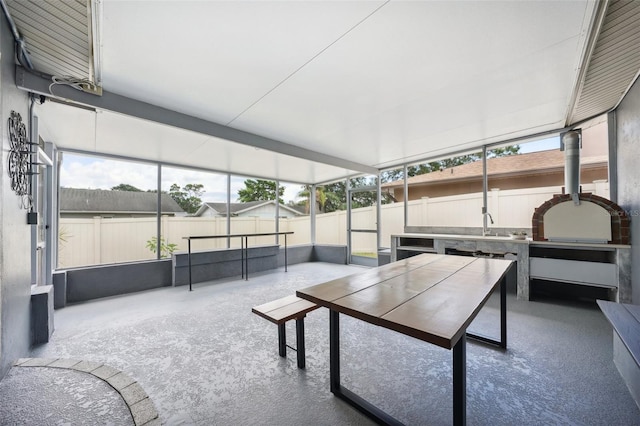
20	159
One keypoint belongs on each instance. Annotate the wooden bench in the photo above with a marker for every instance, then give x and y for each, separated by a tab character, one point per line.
282	310
625	320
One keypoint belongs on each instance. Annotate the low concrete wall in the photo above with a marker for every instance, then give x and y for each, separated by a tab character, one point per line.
59	289
93	282
109	280
215	264
330	254
296	254
311	253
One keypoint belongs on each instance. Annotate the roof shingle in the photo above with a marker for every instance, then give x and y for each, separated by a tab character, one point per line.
519	164
106	201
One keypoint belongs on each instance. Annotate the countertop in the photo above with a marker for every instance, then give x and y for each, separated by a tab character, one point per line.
500	238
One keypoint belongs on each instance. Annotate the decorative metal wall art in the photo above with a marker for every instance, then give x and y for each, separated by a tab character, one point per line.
20	159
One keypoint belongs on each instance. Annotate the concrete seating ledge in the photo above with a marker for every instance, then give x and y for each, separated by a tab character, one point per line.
141	407
625	319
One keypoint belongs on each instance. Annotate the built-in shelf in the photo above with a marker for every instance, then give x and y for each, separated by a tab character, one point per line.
589	264
417	248
410	246
576	265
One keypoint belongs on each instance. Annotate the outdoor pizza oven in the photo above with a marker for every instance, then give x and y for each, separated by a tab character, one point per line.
575	216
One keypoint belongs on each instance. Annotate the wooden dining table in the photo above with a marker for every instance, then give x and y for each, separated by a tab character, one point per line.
430	297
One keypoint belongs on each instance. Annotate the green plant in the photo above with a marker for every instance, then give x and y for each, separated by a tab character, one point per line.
166	248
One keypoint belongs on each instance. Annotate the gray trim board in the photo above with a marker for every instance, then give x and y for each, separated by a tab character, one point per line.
613	156
134	108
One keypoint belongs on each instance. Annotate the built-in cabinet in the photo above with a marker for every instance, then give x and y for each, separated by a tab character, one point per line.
601	265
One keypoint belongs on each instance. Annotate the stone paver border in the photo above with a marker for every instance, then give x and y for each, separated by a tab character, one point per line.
142	410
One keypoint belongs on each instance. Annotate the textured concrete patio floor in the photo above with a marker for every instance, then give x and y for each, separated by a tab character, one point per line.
203	358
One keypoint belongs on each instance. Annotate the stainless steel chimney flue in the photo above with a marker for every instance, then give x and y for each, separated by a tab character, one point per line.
570	143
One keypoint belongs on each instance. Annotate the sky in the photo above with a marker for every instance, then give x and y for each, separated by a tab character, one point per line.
80	171
540	145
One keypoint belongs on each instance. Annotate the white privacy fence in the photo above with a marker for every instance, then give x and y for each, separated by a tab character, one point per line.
100	241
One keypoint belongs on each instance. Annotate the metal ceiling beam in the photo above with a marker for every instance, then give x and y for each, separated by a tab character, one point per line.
135	108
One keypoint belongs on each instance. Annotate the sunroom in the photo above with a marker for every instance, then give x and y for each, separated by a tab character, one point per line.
348	134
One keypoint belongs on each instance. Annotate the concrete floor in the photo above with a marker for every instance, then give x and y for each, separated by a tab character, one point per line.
204	359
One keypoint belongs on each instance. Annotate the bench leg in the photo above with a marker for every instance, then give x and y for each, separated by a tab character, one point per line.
300	342
282	340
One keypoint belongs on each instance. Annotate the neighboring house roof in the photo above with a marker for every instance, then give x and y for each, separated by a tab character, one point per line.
240	208
534	163
74	200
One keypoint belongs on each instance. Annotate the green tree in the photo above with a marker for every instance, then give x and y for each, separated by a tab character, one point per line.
126	187
321	198
188	197
434	166
333	197
260	190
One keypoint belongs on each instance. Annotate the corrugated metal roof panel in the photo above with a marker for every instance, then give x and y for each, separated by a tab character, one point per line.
57	34
614	63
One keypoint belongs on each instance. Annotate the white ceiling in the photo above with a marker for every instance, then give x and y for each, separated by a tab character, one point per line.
372	82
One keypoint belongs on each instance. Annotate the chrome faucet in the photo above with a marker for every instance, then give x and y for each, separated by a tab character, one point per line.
485	228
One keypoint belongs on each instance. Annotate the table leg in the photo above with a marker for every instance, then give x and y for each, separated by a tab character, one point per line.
300	349
346	395
460	382
508	278
511	277
282	340
334	350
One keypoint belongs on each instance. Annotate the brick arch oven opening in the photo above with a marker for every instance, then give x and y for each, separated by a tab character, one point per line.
575	216
595	220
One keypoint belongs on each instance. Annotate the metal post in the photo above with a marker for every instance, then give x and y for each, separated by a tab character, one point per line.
460	382
246	258
277	213
312	212
348	192
242	255
334	350
228	210
300	342
406	197
189	256
485	189
503	313
282	340
378	213
510	279
285	252
613	156
159	213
